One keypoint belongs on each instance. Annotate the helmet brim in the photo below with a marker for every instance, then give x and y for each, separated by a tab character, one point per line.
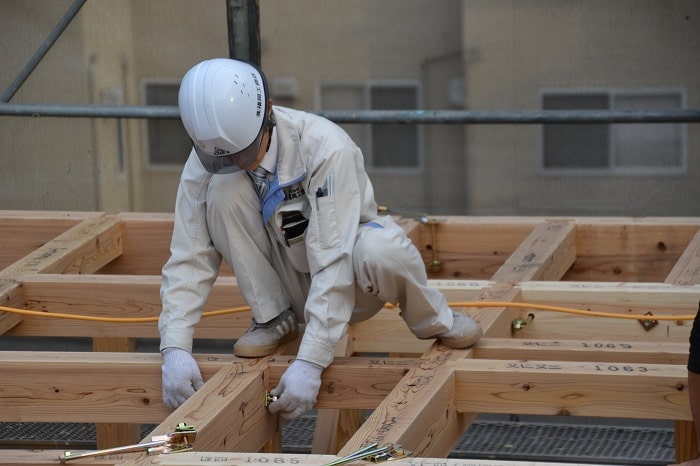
231	163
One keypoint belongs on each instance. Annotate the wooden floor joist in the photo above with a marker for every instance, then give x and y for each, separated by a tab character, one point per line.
421	395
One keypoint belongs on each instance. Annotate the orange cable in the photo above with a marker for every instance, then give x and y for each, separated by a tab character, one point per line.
479	304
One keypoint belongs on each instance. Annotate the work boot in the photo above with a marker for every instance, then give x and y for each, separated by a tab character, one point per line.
464	332
263	339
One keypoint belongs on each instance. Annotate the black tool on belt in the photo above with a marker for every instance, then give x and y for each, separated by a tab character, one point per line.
293	226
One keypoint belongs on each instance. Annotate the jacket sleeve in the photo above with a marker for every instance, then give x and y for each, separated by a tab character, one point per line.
336	204
193	265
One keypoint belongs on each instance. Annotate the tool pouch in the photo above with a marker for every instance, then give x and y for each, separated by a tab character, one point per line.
294	225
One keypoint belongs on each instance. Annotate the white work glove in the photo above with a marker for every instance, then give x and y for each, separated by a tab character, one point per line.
181	376
297	391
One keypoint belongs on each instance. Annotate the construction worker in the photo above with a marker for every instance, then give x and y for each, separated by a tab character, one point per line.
282	196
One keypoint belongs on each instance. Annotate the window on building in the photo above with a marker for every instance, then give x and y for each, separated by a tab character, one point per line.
385	146
615	148
168	142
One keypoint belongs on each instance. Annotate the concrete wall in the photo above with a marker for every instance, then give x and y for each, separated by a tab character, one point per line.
522	47
45	163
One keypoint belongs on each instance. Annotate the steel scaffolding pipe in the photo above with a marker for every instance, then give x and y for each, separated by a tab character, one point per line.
379	116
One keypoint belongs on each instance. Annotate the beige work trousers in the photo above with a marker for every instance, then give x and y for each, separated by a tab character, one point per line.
388	268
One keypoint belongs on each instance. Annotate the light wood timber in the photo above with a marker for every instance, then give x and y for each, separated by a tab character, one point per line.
545	254
138	296
10	296
23	231
611	350
552	325
236	390
334	427
618	297
490	256
614	297
125	387
114	434
120	296
49	458
608	249
353	383
572	388
687	272
84	248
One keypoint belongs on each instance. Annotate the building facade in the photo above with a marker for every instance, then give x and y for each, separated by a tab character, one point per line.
363	54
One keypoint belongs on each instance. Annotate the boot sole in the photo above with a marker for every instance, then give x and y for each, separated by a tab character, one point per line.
250	351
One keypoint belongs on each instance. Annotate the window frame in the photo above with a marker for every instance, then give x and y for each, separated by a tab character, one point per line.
150	165
367	128
612	169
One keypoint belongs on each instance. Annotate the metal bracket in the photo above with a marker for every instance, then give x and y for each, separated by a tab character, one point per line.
175	442
267	399
648	324
519	323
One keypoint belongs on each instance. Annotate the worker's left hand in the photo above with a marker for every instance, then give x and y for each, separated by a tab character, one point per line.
297	391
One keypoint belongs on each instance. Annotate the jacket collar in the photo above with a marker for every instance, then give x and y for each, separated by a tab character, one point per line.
290	163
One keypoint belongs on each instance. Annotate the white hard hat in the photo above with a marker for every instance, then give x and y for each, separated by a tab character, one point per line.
223	108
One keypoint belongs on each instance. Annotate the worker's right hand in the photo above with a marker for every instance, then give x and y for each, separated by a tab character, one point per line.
181	376
297	391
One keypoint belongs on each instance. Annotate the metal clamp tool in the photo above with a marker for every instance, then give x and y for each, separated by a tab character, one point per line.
175	442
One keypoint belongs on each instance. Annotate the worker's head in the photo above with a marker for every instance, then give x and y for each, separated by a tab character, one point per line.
225	108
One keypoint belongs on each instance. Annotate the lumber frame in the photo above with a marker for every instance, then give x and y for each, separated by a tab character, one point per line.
423	397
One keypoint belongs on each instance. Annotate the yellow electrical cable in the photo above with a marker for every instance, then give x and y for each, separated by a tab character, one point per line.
545	307
480	304
123	320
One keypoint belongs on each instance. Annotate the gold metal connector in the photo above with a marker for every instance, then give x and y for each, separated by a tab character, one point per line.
175	442
267	399
519	323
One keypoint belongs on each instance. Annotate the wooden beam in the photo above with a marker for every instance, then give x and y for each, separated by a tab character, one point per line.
686	272
84	248
228	412
618	297
614	297
614	248
611	350
81	387
138	296
125	387
49	458
120	296
572	388
113	434
334	427
398	416
10	296
501	259
23	231
546	253
146	239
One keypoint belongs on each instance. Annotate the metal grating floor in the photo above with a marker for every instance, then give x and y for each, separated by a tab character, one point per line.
485	439
538	441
